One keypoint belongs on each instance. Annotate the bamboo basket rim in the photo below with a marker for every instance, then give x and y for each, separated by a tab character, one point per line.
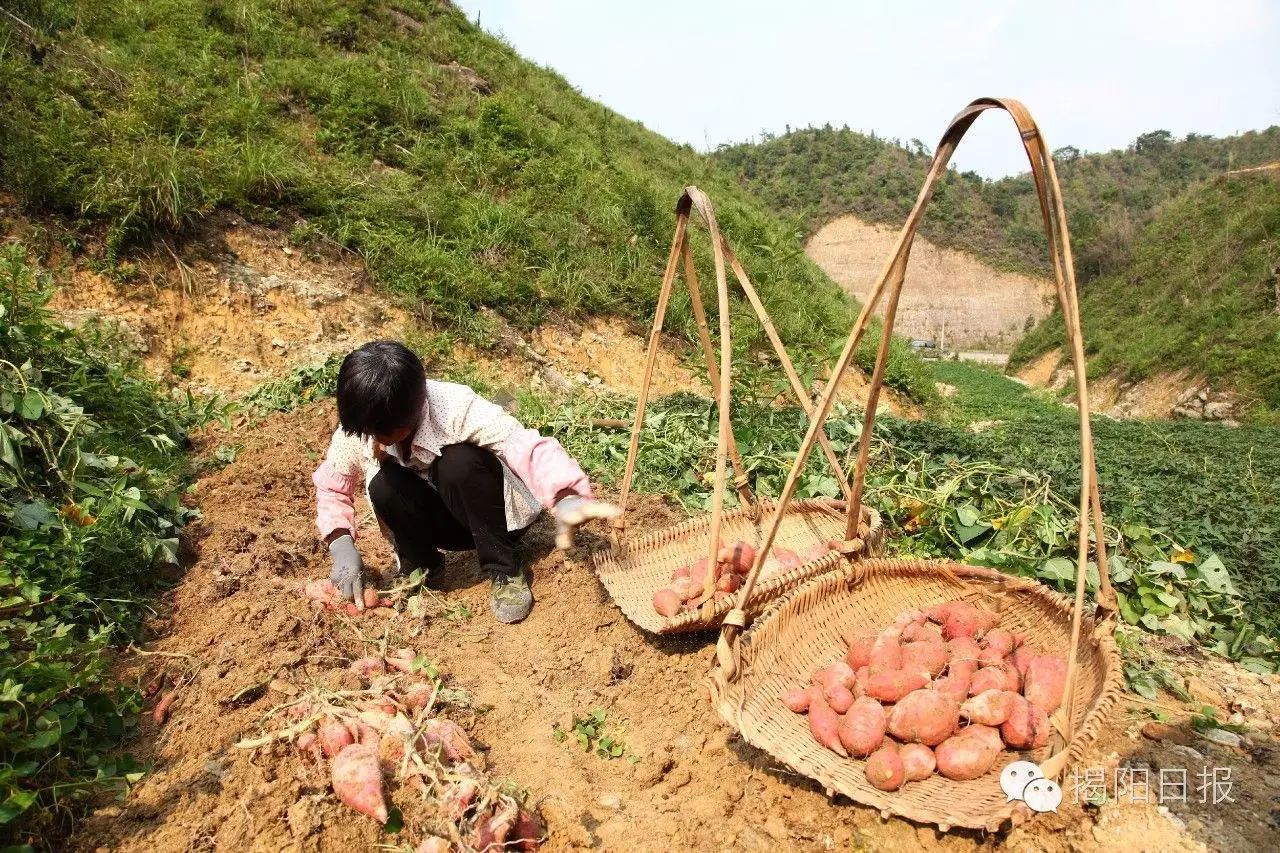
729	691
613	561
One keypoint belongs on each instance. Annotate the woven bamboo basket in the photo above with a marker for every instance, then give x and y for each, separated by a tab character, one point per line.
632	570
632	577
801	630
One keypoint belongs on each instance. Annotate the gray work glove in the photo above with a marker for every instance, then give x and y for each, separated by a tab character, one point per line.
347	568
573	511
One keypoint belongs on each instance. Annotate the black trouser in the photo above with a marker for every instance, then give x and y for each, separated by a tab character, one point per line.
461	509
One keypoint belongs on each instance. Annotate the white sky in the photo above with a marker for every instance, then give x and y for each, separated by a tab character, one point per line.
1095	73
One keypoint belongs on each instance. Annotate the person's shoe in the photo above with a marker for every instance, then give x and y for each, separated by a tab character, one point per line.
511	599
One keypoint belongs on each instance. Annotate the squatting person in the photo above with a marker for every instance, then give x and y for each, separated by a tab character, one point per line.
445	470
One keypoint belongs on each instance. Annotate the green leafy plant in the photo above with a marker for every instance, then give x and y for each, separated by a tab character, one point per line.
91	479
592	735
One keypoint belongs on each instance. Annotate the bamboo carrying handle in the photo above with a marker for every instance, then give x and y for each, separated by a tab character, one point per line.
719	375
891	278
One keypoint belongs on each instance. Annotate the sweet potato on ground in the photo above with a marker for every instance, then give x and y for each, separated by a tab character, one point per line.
1027	727
334	737
990	707
924	716
963	757
892	685
161	711
884	768
449	736
918	761
357	780
862	729
796	699
1046	682
459	797
366	667
433	844
824	722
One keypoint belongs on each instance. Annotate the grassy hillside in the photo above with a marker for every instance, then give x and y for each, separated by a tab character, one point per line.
463	174
1201	293
816	174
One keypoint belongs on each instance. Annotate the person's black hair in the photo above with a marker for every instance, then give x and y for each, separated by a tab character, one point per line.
381	388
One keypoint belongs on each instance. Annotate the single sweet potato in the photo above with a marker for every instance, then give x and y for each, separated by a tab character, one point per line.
687	589
840	698
886	651
860	681
739	557
924	716
815	552
861	730
667	601
160	713
458	798
961	619
528	832
955	685
333	737
990	708
999	643
859	654
401	660
321	593
964	757
433	844
918	761
989	735
357	780
1046	682
1021	659
449	737
824	722
1000	676
729	583
1027	727
909	617
884	768
832	675
368	667
796	699
892	685
963	657
371	597
929	656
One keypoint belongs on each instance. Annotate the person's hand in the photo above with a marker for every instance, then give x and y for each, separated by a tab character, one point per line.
347	568
573	511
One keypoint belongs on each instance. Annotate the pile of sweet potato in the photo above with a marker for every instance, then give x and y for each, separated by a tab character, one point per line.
688	583
944	688
391	733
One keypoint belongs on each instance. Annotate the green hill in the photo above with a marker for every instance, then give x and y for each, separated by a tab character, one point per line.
463	174
1201	293
816	174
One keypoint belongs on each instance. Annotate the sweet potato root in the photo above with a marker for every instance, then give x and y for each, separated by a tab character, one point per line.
955	685
892	685
738	558
961	619
160	713
824	722
1046	682
928	656
667	601
963	654
884	768
1027	727
924	716
838	674
433	844
921	632
918	761
963	757
886	651
357	780
990	708
862	729
449	736
334	737
859	654
1000	676
796	699
459	797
